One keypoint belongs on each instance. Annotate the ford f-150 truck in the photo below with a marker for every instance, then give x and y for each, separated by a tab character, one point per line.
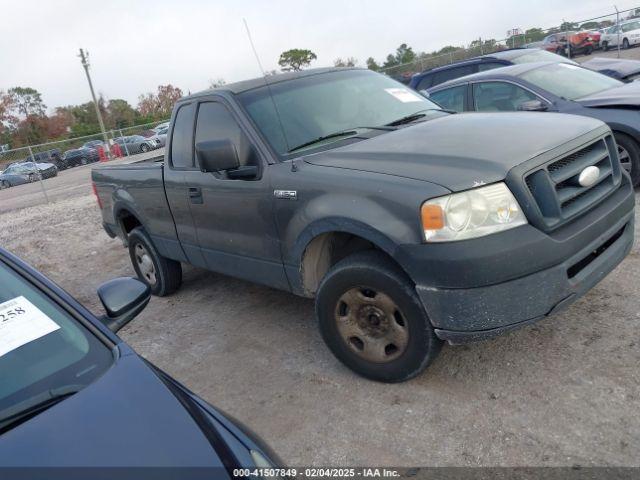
409	225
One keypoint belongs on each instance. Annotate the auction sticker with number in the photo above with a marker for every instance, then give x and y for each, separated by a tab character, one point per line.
404	95
22	322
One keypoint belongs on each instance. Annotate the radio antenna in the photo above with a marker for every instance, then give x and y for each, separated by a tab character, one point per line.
268	85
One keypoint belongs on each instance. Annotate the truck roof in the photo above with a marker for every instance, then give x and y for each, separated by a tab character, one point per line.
244	85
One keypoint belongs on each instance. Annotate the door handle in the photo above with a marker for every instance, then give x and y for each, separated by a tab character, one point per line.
195	195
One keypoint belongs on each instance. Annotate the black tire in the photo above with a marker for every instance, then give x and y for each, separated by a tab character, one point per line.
33	177
588	50
560	51
4	184
83	161
372	271
625	43
633	150
605	46
144	148
167	272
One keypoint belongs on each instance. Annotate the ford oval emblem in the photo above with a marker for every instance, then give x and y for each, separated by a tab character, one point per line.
589	176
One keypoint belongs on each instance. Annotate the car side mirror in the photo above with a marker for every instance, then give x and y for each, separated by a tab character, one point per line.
217	155
123	299
533	106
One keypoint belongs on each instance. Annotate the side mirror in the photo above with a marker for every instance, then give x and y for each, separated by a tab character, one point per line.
533	106
123	299
217	155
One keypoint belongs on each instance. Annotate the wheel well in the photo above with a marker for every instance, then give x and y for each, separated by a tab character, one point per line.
323	252
127	221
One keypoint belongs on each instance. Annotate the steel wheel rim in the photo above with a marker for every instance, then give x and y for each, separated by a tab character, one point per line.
625	158
371	325
145	264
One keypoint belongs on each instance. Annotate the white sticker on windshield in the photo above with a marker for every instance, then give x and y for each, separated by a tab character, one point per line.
404	95
22	322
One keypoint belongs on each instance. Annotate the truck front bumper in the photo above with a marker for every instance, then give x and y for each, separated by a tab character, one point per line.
462	312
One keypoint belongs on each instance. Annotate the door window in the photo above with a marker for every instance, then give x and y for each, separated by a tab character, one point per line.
215	122
450	98
500	97
450	74
182	137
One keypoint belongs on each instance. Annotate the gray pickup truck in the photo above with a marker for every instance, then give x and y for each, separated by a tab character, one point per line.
409	226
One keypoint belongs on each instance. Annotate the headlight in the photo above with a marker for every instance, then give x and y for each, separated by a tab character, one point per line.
474	213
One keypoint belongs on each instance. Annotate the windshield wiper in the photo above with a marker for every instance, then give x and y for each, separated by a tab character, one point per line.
16	414
415	116
341	133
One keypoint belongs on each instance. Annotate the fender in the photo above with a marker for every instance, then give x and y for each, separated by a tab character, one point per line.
295	255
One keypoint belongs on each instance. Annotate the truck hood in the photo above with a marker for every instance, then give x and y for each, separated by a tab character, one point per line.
627	95
459	151
126	418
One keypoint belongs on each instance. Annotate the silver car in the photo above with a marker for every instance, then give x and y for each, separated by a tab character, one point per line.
133	144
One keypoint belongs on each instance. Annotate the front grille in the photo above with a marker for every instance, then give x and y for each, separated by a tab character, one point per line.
555	188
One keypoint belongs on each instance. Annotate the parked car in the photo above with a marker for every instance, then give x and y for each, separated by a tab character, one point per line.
80	156
579	42
436	76
75	392
133	144
17	174
161	126
48	156
625	70
160	137
45	169
408	225
553	87
627	33
94	144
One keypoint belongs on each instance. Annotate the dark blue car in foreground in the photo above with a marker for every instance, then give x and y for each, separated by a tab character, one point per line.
74	398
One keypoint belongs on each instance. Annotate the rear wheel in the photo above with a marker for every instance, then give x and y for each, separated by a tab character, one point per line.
163	275
605	46
588	50
372	320
629	155
625	43
4	184
144	148
83	161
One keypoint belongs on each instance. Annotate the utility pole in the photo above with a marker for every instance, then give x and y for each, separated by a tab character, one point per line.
84	57
618	27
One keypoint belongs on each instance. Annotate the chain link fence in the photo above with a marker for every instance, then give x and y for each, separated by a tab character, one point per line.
38	163
518	38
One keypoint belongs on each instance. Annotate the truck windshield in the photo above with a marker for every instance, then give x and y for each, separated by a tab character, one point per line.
318	106
44	351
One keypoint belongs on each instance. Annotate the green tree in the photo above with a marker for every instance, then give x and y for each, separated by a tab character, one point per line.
405	54
348	62
27	101
120	114
159	105
534	34
372	64
296	59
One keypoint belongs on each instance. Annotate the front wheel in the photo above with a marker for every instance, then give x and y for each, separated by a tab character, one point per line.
4	184
629	155
32	177
605	46
588	50
163	275
144	148
372	320
625	44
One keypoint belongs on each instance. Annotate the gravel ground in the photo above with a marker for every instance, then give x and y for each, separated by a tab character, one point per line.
565	391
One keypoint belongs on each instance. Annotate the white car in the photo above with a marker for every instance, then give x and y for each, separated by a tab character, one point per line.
627	33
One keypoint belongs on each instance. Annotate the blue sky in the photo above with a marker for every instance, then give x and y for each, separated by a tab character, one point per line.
136	45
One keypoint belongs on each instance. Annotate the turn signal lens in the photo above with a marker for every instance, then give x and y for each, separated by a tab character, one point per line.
471	214
432	217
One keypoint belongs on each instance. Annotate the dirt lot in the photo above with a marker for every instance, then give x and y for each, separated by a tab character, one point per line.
563	392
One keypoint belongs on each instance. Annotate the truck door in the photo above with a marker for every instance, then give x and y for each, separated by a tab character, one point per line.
180	160
233	217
